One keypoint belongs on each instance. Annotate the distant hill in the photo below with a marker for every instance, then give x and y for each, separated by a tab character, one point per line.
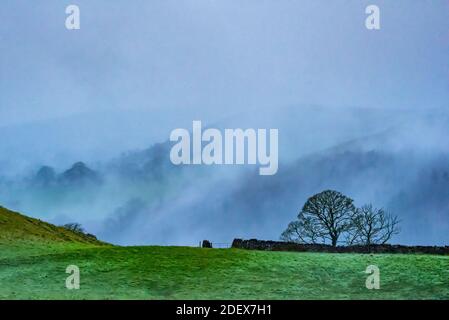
79	173
15	227
45	176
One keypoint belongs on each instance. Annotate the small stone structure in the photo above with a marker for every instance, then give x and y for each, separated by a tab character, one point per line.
206	244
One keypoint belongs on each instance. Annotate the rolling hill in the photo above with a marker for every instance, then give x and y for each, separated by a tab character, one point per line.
34	256
15	227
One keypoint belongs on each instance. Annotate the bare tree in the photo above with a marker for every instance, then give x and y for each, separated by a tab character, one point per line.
302	231
324	216
372	226
75	227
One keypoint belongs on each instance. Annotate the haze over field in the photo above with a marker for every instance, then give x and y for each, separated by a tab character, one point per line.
85	115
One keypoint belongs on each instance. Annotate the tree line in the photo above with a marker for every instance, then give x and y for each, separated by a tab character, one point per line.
330	217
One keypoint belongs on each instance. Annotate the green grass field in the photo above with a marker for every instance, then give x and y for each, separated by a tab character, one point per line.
33	264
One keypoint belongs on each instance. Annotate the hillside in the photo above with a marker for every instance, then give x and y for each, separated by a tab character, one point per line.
34	256
197	273
16	228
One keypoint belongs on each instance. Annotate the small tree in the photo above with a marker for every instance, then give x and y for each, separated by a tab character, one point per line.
302	231
75	227
325	216
372	226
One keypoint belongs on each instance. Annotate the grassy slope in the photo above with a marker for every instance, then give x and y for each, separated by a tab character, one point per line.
108	272
19	233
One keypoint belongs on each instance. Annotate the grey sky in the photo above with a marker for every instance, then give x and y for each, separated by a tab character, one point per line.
220	56
351	105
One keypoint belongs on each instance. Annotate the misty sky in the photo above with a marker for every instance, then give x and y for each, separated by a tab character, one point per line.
219	56
360	111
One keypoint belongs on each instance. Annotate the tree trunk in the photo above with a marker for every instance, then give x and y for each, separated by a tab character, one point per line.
334	242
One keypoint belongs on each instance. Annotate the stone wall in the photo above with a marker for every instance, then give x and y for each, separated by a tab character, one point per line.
254	244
